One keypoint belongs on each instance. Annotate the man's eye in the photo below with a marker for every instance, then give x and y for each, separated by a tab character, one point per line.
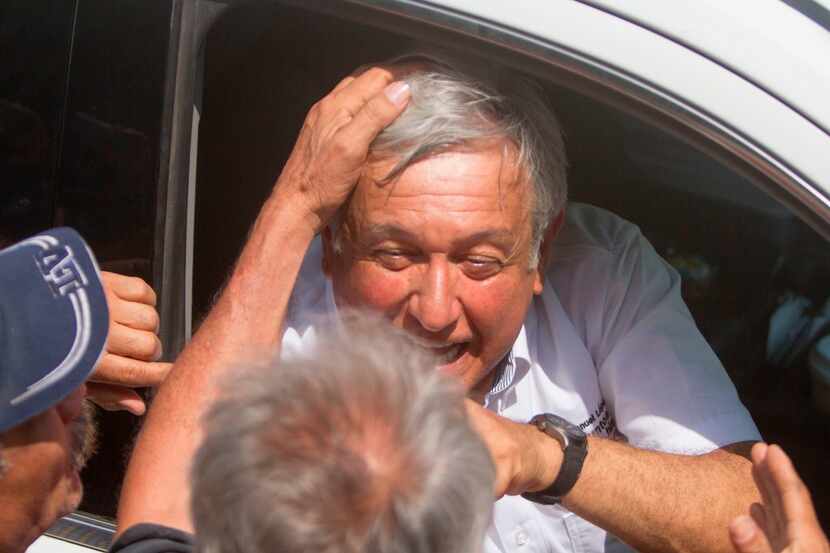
480	267
394	260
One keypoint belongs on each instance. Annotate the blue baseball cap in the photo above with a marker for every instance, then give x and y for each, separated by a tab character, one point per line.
53	322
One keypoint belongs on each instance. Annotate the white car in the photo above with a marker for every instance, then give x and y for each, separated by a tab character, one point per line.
707	123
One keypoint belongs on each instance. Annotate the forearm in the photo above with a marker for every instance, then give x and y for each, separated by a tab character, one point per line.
247	320
662	502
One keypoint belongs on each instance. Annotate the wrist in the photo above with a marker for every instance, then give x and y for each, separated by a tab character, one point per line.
299	202
285	217
547	457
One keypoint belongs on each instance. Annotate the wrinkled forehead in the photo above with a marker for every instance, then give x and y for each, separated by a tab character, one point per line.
487	168
503	164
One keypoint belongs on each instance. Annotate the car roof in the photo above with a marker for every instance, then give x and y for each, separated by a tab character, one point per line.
768	42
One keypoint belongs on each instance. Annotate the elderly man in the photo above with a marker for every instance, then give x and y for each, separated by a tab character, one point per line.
356	446
440	200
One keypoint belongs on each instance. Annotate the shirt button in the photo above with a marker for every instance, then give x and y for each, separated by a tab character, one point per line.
521	538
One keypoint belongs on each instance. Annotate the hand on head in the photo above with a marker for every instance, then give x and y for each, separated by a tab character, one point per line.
331	150
785	521
133	348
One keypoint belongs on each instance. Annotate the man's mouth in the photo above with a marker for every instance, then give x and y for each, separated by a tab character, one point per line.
446	354
450	354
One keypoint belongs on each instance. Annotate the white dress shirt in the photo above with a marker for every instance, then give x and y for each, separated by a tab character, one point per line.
609	345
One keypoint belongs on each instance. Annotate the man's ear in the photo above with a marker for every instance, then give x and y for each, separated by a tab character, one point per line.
328	251
545	250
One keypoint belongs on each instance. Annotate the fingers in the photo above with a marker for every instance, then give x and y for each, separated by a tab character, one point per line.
758	453
132	346
747	537
359	91
343	84
494	431
128	288
133	314
115	398
123	371
769	495
759	516
377	114
141	345
796	503
131	302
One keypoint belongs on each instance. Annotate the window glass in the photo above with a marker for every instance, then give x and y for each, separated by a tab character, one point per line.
109	172
82	90
34	60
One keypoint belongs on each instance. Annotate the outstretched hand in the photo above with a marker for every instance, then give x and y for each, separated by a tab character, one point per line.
785	521
133	347
525	460
331	150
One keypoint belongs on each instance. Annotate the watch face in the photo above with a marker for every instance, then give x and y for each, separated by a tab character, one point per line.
568	430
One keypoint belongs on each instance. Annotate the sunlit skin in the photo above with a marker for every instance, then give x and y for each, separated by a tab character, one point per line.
42	481
444	253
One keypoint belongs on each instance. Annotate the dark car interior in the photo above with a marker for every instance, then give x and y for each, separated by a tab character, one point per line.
745	257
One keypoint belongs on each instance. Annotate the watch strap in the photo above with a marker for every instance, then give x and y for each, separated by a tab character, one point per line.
573	457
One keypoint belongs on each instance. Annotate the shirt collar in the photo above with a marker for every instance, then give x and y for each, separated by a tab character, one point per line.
517	363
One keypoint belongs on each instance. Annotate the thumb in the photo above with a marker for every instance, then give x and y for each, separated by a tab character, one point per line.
747	537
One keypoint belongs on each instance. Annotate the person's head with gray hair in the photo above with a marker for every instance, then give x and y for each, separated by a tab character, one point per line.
356	446
462	105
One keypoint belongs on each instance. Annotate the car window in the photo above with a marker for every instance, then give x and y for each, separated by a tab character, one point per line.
82	89
747	261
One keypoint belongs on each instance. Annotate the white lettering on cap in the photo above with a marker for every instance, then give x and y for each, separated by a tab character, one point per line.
63	275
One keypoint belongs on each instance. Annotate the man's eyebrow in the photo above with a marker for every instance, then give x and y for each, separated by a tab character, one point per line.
498	237
387	230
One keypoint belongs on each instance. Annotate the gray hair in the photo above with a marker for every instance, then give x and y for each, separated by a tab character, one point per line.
451	107
357	446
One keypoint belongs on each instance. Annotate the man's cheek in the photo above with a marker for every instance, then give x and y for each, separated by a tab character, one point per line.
84	436
376	288
497	298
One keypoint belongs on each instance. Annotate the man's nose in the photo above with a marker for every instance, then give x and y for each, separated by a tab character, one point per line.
435	304
70	408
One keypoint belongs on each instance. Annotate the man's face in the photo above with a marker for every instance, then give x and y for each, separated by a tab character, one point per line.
443	252
44	456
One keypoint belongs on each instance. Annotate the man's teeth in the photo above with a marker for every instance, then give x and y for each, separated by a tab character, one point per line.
450	354
445	353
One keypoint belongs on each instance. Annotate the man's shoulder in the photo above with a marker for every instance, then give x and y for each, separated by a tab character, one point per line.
590	239
591	227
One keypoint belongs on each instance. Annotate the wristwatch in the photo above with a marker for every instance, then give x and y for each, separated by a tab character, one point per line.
574	445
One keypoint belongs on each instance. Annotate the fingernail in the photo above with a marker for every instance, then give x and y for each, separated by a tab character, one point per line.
397	92
742	529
